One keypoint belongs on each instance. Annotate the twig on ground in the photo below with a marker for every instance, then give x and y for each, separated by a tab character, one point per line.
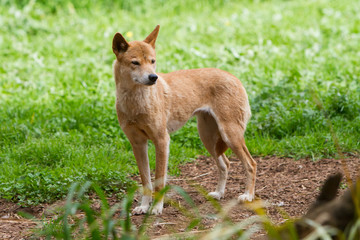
177	235
189	179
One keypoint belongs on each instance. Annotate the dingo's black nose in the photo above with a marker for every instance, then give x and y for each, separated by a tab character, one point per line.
153	77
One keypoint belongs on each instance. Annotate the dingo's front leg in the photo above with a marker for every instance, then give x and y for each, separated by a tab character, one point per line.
139	144
162	155
142	160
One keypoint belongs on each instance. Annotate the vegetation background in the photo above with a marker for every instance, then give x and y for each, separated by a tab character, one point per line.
57	117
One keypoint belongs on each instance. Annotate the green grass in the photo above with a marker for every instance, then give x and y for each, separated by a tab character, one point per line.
57	118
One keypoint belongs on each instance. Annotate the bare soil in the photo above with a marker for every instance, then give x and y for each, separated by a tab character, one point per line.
287	186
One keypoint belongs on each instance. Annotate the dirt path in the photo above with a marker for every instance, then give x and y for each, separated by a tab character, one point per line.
282	183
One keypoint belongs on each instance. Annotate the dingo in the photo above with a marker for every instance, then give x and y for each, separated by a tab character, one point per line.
151	105
328	211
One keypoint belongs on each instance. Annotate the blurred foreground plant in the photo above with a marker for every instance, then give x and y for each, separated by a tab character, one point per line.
79	220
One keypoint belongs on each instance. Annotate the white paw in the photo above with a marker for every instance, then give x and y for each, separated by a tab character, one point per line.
246	198
157	209
140	210
216	195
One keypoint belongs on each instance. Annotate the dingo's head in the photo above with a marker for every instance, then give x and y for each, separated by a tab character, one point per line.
137	59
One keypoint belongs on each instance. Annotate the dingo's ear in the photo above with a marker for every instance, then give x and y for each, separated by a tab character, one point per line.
330	188
328	191
119	44
151	39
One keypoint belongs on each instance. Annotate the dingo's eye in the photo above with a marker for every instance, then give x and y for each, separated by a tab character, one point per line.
135	62
153	61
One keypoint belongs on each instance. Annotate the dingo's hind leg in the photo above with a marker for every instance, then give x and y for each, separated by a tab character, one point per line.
234	135
211	138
